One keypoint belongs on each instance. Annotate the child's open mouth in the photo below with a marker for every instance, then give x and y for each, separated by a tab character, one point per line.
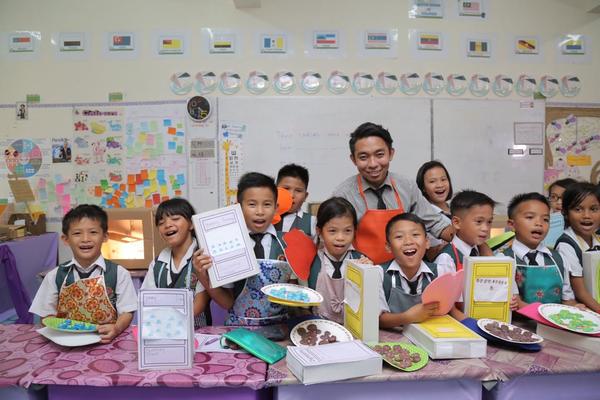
537	234
170	233
409	252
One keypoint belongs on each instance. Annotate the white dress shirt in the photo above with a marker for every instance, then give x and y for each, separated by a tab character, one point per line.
288	220
423	270
567	252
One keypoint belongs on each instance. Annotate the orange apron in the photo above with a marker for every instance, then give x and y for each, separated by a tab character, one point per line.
370	235
459	264
86	300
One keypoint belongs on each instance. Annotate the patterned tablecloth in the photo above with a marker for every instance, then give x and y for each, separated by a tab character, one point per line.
499	364
470	368
26	358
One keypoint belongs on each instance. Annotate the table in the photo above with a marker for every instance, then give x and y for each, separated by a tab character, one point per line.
22	259
110	371
458	379
555	372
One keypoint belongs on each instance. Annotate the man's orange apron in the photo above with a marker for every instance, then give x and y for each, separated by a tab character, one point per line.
370	235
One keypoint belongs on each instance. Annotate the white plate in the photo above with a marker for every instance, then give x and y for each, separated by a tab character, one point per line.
342	334
69	339
314	297
548	310
484	321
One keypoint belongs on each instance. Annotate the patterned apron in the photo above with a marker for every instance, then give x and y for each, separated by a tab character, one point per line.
539	283
370	235
86	300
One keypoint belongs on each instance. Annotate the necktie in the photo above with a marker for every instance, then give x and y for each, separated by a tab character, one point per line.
531	257
594	248
474	252
379	193
413	286
259	250
337	268
85	275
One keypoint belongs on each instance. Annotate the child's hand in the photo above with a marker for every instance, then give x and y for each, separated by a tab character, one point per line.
365	260
514	303
202	262
485	250
420	312
582	307
108	332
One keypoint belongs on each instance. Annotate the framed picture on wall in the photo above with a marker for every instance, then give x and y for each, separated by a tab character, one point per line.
171	44
429	41
222	43
273	43
121	41
527	45
20	42
71	41
478	48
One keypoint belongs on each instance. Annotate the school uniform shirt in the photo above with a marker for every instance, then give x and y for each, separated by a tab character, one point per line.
445	263
521	251
288	220
165	257
567	252
434	241
46	298
326	258
412	200
423	270
267	241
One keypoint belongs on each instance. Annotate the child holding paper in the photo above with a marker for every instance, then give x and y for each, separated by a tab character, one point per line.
294	178
540	276
407	275
472	216
173	267
88	288
581	208
257	194
336	226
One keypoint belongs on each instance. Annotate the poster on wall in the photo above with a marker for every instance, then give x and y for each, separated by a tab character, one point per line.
231	157
574	144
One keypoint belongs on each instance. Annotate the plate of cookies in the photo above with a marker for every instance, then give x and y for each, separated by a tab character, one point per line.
508	332
404	356
316	332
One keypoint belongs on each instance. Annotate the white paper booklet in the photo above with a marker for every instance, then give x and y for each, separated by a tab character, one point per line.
224	235
333	362
166	329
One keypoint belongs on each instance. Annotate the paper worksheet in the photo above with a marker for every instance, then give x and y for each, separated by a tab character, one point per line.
166	329
223	234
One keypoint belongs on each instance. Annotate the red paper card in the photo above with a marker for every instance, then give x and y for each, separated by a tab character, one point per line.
446	290
300	251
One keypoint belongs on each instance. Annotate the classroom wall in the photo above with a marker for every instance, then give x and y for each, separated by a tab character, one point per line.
147	76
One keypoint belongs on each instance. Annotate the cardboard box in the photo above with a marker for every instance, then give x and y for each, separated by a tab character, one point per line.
133	239
444	337
591	273
361	308
36	227
12	231
488	288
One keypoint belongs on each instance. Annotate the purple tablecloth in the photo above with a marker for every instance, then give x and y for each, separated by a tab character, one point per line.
20	261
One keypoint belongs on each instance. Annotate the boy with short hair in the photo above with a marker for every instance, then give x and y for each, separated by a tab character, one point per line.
407	275
472	215
257	194
540	276
88	287
294	178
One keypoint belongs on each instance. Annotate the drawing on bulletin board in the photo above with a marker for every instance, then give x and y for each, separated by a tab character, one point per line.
572	145
231	157
23	158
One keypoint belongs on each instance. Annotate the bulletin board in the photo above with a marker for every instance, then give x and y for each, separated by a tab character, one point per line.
572	144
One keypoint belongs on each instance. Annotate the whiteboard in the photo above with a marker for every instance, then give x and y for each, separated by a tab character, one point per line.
472	139
314	132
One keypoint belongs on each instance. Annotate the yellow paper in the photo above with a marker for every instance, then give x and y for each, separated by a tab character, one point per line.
447	327
152	174
580	161
353	320
487	309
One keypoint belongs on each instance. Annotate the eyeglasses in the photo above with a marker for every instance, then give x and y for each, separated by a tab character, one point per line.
554	198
